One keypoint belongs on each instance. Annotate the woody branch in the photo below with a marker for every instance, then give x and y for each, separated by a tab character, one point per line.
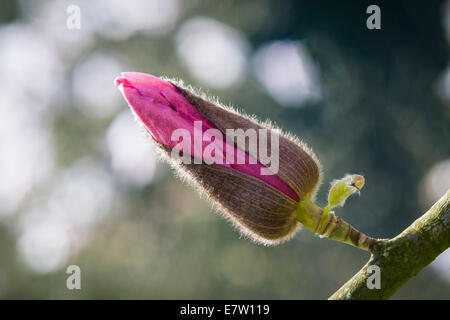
404	256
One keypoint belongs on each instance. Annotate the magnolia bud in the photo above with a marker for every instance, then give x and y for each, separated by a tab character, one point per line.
260	193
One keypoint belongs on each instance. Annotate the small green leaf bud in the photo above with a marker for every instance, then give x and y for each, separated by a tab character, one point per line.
341	189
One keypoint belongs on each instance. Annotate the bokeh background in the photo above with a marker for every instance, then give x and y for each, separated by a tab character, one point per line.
80	183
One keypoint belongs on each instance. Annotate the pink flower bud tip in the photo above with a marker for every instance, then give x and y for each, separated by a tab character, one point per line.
156	103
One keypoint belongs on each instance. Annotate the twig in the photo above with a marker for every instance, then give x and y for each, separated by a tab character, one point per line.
401	258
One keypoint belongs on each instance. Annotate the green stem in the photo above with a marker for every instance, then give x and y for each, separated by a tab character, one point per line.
324	223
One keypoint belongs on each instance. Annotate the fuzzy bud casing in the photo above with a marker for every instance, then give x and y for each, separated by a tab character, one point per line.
261	206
